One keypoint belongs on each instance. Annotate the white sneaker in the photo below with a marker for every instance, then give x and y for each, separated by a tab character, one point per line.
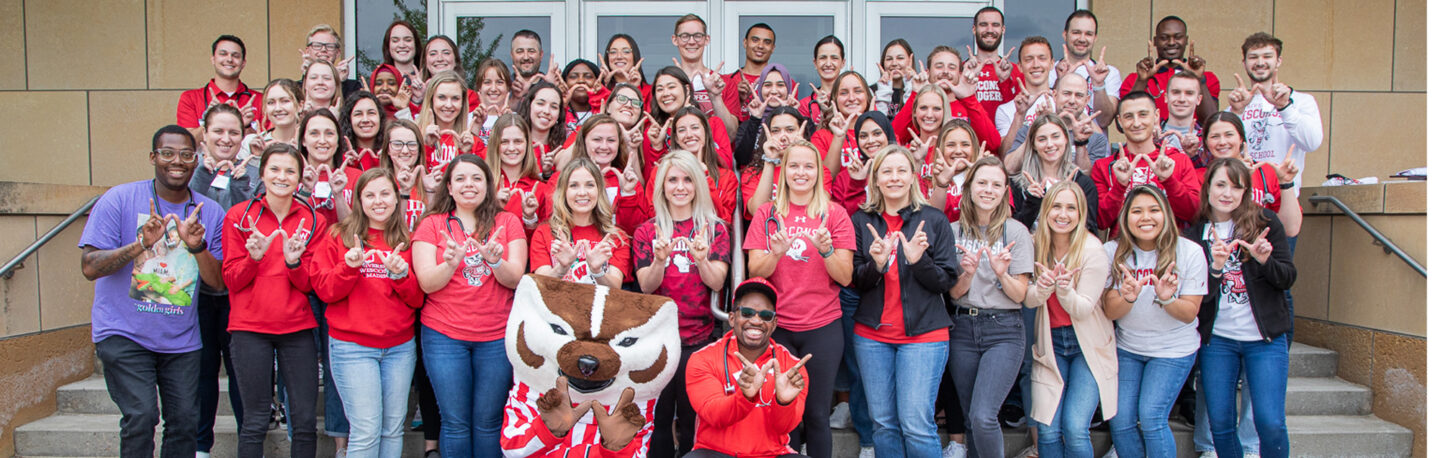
869	452
1252	455
202	454
840	419
1028	452
953	450
802	450
1111	453
1209	454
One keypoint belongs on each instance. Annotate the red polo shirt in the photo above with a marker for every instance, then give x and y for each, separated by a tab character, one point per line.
191	108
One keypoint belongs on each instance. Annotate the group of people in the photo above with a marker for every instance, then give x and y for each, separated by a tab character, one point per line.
929	241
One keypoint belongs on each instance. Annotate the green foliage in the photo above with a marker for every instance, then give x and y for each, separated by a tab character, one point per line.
473	47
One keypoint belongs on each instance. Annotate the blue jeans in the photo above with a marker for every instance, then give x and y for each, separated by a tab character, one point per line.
1266	366
904	417
1071	424
986	352
1249	440
336	423
374	384
1148	387
473	381
859	407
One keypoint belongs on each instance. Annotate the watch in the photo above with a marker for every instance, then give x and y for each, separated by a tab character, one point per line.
1081	142
200	249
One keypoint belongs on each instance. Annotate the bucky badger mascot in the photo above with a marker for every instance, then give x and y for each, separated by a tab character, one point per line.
589	363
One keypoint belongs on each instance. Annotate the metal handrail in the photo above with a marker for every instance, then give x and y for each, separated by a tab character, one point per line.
1385	242
8	271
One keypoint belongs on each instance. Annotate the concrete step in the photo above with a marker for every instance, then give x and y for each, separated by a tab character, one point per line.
90	397
79	435
1325	396
1346	435
1310	361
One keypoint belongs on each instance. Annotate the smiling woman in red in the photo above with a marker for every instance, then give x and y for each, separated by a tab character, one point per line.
265	243
520	189
362	270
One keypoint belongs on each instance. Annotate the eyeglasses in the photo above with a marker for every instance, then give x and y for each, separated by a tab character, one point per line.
691	36
765	315
186	156
627	99
399	145
325	46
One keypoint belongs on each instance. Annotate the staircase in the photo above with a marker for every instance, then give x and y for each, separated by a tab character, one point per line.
1327	416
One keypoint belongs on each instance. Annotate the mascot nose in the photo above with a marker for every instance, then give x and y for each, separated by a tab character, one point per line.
587	365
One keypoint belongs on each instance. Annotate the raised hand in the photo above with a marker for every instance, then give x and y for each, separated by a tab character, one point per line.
1044	279
858	167
1190	143
355	257
1064	279
1129	285
1145	68
556	409
405	177
619	426
918	149
656	131
820	96
663	248
452	253
791	383
1003	67
822	241
751	377
599	255
881	248
915	246
712	80
700	246
1220	250
792	100
1123	168
493	249
1195	63
530	207
756	107
1082	128
1260	249
1287	169
258	244
969	261
1240	96
1164	167
432	134
191	231
1032	186
1278	94
562	254
1000	259
402	97
839	124
1098	70
395	263
431	181
1167	286
294	246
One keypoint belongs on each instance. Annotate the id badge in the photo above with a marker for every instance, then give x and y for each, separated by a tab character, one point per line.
221	181
322	190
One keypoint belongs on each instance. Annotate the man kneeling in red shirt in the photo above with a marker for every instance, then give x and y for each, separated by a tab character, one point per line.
748	391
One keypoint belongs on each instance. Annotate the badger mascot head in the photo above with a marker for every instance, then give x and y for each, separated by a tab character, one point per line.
612	352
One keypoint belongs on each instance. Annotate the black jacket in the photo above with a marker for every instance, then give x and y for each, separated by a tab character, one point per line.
923	284
1027	207
1265	283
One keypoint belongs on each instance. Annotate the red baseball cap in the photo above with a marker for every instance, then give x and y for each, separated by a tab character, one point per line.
756	284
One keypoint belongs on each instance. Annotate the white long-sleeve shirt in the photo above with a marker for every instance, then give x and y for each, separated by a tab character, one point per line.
1269	132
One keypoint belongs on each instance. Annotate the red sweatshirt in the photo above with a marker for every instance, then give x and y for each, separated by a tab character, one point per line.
365	307
728	422
1182	189
266	296
968	108
718	135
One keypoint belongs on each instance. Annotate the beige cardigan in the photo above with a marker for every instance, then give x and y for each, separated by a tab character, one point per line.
1095	333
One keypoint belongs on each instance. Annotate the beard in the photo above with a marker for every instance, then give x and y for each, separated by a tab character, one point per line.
986	47
1269	73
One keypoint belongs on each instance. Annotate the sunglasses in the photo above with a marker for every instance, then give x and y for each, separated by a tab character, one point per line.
765	315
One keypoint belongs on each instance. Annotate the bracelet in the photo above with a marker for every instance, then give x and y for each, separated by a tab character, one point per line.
1287	185
1290	101
399	276
598	274
1165	302
296	265
826	254
775	162
496	264
530	221
200	249
1081	142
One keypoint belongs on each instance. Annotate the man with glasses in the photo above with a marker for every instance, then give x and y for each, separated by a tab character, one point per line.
227	55
690	39
147	246
323	44
748	391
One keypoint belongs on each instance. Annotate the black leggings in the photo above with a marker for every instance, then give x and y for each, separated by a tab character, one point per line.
826	345
674	402
253	354
425	394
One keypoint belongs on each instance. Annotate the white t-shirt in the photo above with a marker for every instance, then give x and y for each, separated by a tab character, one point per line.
1112	83
1005	113
1270	132
1234	320
1148	330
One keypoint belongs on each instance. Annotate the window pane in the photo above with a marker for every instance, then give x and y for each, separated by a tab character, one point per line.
371	19
651	34
481	37
795	38
925	33
1045	18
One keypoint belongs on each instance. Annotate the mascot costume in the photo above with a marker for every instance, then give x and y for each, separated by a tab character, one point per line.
589	363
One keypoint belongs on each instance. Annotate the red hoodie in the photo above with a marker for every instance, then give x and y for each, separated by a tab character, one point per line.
1182	189
365	307
968	108
266	296
728	422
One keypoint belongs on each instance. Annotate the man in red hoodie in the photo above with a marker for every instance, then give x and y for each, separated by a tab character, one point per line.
748	391
1141	161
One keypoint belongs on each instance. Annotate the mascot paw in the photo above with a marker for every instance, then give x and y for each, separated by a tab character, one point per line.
618	428
556	410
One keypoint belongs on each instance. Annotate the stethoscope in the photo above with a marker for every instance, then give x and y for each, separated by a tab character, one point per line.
729	382
190	204
472	261
245	216
824	220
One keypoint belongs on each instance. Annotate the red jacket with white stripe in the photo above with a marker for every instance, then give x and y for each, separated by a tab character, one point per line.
525	434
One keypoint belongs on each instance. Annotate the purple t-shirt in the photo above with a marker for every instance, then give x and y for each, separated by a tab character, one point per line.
151	300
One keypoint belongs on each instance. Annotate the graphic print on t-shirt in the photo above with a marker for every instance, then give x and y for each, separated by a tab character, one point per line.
475	269
165	273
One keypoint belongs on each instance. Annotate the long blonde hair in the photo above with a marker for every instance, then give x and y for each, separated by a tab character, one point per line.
562	216
969	217
1165	242
1031	160
820	197
874	200
427	107
528	167
1044	237
702	213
